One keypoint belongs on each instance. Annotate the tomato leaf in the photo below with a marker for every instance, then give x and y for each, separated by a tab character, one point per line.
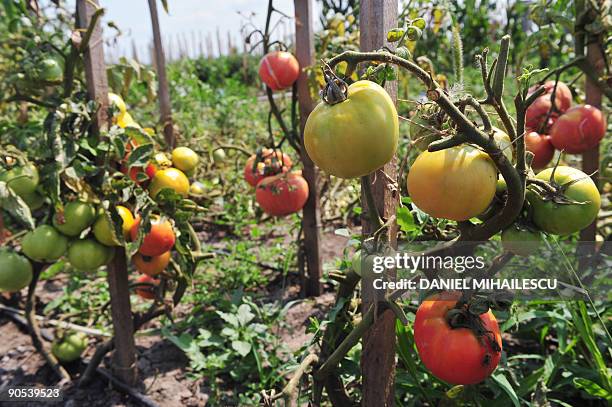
501	380
15	206
405	220
140	156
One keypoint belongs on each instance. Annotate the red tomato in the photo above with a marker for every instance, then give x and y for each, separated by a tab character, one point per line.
159	240
541	147
579	129
146	292
454	355
563	94
282	194
270	164
279	70
538	111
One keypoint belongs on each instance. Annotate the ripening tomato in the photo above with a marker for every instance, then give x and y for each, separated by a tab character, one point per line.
455	355
271	162
356	136
70	347
169	178
282	194
44	244
77	217
457	183
566	218
151	265
15	271
521	241
563	94
88	254
160	238
105	232
185	159
147	292
541	147
22	180
537	114
579	129
279	70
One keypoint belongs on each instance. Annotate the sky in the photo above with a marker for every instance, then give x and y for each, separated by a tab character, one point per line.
186	18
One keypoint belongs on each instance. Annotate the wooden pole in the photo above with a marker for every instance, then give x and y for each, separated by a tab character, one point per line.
219	45
311	220
377	17
124	358
163	92
590	158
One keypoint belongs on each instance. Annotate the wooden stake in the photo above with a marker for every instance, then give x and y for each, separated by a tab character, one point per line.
378	355
163	92
590	158
124	358
311	220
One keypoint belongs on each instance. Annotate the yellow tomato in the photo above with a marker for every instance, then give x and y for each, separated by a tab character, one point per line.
116	101
125	120
185	159
457	183
104	231
170	178
354	137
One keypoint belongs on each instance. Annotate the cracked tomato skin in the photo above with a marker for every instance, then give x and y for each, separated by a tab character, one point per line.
356	136
579	129
456	356
564	219
279	70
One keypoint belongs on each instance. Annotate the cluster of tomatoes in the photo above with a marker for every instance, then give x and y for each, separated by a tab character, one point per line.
85	234
556	125
279	191
458	183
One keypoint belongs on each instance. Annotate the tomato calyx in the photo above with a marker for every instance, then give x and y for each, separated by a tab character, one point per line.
552	191
468	315
336	90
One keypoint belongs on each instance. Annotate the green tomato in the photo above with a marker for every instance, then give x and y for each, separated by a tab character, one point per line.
521	241
34	200
564	218
70	347
44	244
22	180
88	255
356	136
50	72
219	156
15	271
78	216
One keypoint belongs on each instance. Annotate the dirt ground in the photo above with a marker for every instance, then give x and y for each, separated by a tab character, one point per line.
161	365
